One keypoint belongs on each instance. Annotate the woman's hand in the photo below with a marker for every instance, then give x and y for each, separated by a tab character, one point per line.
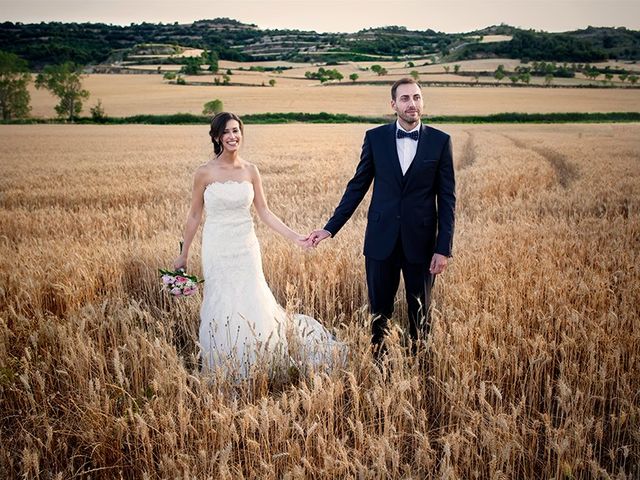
301	241
180	263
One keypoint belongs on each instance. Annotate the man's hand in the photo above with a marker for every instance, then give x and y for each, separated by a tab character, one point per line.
316	237
438	264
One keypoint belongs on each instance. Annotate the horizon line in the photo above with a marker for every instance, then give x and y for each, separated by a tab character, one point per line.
501	24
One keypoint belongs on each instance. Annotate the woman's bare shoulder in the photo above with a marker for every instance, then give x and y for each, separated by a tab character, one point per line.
203	173
252	168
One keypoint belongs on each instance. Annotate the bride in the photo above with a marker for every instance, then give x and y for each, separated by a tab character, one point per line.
241	323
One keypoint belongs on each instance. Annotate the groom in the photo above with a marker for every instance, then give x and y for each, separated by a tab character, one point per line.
411	215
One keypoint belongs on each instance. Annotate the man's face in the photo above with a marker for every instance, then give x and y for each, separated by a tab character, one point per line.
408	102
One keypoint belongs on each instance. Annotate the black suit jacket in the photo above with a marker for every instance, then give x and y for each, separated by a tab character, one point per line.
419	206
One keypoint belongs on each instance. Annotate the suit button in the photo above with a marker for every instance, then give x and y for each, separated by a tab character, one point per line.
398	217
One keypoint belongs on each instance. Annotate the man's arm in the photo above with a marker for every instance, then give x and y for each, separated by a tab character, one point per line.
353	195
355	191
446	201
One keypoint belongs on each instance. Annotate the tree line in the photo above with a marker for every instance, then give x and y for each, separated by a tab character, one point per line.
565	47
91	43
63	81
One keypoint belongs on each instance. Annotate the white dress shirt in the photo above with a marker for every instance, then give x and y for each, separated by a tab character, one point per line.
406	147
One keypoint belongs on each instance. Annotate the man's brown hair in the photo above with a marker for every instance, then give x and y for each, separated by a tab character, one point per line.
402	81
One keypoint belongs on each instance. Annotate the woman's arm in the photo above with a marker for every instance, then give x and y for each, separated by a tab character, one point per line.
266	215
193	218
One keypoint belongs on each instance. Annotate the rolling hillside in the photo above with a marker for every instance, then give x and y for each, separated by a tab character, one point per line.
95	43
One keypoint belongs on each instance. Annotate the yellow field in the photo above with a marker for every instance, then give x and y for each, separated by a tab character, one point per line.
495	38
534	361
427	70
124	95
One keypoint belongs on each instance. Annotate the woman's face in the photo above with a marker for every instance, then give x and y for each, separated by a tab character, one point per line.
231	136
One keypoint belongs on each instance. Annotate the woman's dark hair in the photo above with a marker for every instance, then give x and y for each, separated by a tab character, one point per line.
218	124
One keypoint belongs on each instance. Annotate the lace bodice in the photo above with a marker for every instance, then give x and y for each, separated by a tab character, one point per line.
228	200
228	226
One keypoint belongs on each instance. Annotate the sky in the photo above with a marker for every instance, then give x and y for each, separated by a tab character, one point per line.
449	16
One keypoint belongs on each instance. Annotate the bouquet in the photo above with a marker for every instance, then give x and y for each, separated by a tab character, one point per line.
178	283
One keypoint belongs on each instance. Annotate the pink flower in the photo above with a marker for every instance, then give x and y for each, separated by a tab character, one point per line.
175	291
167	279
189	291
181	280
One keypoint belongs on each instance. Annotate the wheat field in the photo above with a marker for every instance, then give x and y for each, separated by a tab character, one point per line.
124	95
533	366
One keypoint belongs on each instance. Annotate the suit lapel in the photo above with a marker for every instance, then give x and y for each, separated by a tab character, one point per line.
423	144
392	153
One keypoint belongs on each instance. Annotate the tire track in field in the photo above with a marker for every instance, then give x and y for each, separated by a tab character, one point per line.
468	154
566	172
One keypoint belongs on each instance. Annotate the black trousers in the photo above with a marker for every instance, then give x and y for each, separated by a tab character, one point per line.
383	279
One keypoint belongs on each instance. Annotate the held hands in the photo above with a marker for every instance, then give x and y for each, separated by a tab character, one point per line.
316	237
312	240
301	241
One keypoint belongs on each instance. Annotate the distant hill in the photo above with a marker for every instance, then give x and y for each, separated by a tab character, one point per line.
94	43
588	45
616	42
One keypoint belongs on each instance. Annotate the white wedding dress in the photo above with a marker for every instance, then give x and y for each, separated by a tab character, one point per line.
241	323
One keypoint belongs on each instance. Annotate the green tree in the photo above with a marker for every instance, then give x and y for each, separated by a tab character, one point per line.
324	75
14	78
415	75
169	76
514	79
272	82
379	70
191	66
212	107
210	57
623	76
376	68
410	65
64	81
525	77
593	73
608	77
548	79
456	68
446	68
353	77
97	112
212	61
633	79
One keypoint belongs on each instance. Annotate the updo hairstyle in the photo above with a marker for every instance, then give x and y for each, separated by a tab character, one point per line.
218	124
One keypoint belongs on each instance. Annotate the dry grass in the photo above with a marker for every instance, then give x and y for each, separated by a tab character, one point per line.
124	95
534	362
428	72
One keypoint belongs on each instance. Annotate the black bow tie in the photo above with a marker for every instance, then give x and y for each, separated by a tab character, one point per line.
412	135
